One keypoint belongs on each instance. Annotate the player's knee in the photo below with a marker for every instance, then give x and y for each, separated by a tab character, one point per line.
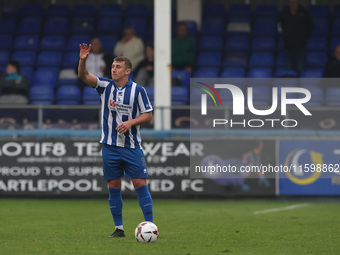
138	183
114	184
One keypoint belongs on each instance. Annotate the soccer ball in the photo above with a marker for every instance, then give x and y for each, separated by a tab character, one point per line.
146	232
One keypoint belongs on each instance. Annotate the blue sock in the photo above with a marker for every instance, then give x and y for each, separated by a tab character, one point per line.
116	205
145	202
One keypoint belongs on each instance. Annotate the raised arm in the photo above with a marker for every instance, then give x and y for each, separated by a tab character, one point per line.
83	73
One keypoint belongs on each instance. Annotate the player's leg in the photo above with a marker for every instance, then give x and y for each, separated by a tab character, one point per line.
113	172
116	202
144	198
136	169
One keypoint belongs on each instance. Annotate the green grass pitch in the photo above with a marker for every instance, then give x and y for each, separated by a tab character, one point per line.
186	227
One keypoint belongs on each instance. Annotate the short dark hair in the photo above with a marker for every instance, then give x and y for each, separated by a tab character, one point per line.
127	61
16	64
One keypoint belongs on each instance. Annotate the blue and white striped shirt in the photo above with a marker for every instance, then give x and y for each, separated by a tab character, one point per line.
119	105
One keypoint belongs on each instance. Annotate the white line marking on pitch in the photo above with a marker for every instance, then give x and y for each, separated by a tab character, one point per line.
290	207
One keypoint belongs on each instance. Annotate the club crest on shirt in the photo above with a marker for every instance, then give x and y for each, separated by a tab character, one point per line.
120	97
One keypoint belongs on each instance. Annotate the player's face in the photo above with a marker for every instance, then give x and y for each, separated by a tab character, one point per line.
119	70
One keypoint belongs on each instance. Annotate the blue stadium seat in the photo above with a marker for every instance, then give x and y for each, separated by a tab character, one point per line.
30	25
82	25
260	72
280	44
139	24
334	43
192	26
134	10
4	57
32	10
108	42
71	59
41	95
25	58
10	10
312	73
317	43
266	10
90	96
179	96
214	9
151	93
68	76
211	43
28	72
321	26
213	26
233	72
209	59
316	59
265	43
332	96
317	96
336	11
319	10
283	72
68	95
46	76
261	59
207	72
239	10
182	76
58	10
111	10
26	42
6	42
281	60
109	25
239	25
235	58
50	59
265	26
336	27
53	42
88	10
75	40
8	25
237	43
56	25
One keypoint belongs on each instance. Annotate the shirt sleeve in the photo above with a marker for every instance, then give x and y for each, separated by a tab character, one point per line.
144	102
101	85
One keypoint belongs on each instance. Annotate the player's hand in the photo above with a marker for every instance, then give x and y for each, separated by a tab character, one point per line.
84	51
123	127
